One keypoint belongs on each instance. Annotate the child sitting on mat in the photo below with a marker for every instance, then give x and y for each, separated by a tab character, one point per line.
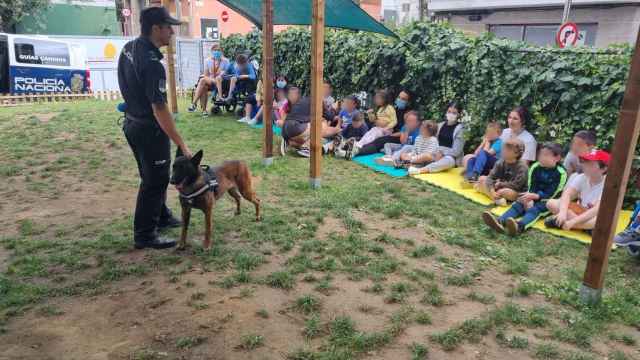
630	237
488	152
409	132
578	206
583	142
425	147
355	130
547	177
508	178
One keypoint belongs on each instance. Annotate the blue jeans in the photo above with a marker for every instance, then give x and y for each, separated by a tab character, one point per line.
480	164
529	217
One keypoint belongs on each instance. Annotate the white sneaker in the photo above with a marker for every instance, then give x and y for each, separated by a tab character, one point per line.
244	120
252	122
416	170
501	202
339	153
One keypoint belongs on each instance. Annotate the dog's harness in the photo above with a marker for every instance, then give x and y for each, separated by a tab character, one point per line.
210	184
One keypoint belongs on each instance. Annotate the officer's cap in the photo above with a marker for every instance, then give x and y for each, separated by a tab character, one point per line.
157	15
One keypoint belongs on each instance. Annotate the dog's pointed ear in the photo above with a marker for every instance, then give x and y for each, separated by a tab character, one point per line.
178	152
195	160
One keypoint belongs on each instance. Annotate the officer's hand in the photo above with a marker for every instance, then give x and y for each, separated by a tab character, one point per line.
186	151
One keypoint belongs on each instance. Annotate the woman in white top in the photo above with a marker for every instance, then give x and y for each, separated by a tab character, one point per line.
517	122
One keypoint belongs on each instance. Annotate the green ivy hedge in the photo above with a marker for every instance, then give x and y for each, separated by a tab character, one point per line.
565	91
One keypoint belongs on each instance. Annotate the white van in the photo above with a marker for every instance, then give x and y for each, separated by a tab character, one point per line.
38	64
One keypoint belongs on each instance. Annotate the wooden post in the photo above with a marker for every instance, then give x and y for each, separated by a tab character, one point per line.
624	146
317	78
171	70
267	81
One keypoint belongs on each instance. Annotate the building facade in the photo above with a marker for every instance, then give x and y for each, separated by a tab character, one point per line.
401	12
600	23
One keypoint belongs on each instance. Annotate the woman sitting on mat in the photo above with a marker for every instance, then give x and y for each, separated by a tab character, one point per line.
402	106
451	143
517	121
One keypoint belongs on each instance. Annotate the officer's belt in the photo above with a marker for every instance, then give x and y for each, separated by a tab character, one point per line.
141	120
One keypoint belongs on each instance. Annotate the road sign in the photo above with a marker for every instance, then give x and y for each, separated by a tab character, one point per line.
224	16
126	12
567	35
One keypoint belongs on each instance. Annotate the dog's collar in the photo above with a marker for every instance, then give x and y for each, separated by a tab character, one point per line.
210	184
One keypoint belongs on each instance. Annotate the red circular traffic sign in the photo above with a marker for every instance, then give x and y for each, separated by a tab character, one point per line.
126	12
567	35
225	16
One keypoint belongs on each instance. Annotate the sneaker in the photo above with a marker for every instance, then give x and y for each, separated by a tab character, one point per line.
337	141
205	114
339	153
512	227
354	151
501	202
629	237
348	148
157	242
244	120
385	161
551	223
413	170
304	152
327	149
192	108
633	251
492	221
252	122
283	147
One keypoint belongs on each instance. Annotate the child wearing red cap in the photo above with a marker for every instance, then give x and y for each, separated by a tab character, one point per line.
578	206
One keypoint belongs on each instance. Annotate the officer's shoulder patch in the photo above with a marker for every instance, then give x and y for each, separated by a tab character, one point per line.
153	56
162	85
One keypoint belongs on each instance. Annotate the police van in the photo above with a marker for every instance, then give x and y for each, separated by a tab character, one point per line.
38	64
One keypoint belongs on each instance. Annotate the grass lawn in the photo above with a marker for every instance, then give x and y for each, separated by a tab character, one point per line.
366	267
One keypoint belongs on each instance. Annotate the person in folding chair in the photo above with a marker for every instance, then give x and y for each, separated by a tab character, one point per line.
215	67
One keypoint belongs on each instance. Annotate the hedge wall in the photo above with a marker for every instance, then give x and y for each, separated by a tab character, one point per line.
565	91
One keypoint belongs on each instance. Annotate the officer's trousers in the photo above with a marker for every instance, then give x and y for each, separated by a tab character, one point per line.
152	150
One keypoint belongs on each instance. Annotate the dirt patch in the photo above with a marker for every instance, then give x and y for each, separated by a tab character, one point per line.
45	117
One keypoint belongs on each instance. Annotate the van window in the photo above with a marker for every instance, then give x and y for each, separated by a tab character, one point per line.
43	52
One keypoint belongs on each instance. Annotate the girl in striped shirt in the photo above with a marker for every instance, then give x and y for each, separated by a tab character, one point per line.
425	147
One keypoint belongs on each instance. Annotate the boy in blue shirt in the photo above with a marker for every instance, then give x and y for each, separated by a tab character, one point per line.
547	178
241	73
486	155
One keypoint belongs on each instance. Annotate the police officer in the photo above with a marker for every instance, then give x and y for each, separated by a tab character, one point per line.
149	125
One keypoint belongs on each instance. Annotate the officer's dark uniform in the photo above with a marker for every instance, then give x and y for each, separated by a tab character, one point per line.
142	81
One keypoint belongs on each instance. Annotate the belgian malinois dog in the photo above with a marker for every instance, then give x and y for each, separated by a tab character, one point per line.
201	186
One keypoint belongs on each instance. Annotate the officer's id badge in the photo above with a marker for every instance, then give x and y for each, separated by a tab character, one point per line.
162	86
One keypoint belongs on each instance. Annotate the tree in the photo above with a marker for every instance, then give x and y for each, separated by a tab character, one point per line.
13	11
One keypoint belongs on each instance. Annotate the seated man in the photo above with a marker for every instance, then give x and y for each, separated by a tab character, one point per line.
242	76
215	67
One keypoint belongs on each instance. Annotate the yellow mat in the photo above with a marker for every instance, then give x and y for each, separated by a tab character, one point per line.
581	236
451	180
